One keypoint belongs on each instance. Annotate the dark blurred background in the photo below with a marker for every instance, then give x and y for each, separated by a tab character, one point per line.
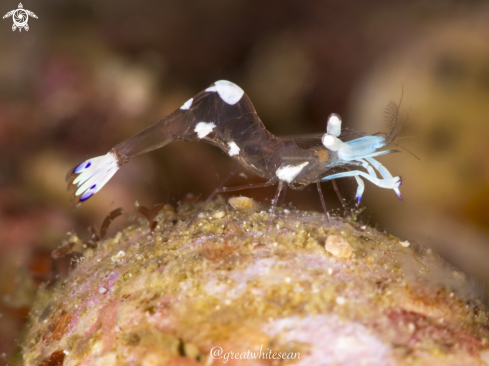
89	74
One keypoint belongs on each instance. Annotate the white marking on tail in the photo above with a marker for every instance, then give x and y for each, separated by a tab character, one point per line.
204	128
233	148
187	104
228	91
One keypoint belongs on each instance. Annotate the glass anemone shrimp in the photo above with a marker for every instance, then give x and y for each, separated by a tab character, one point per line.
224	116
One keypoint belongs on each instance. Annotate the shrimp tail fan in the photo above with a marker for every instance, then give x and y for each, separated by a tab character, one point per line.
89	177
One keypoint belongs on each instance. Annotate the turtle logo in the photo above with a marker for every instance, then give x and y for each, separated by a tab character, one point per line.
20	17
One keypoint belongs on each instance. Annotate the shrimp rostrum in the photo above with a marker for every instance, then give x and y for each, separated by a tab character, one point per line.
224	116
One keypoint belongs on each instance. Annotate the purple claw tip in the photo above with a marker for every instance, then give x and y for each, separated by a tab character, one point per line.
85	196
400	196
358	200
81	167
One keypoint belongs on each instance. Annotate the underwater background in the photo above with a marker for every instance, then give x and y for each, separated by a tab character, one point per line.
89	74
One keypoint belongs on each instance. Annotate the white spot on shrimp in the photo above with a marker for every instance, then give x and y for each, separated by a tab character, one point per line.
187	104
233	148
211	89
289	172
228	91
102	290
204	128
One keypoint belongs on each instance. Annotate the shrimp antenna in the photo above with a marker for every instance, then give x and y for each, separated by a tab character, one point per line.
408	151
391	113
407	137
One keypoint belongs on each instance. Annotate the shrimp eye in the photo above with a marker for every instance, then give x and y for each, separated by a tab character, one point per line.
334	125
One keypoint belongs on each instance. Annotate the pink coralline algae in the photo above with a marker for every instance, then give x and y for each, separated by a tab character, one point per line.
172	296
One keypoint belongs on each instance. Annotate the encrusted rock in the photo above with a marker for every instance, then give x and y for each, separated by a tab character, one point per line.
338	246
175	296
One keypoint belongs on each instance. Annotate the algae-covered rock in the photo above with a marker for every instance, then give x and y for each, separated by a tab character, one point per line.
226	290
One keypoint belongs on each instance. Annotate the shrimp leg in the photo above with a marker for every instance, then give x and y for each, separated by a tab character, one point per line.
360	189
326	215
212	195
384	172
275	200
389	183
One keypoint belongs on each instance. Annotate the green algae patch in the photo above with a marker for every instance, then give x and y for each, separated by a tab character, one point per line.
173	294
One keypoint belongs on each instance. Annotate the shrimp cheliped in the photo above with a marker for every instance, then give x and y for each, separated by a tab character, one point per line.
224	116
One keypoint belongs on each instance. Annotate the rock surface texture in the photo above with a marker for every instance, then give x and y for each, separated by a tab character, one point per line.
172	296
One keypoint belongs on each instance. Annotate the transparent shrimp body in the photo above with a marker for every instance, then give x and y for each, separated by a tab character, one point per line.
224	116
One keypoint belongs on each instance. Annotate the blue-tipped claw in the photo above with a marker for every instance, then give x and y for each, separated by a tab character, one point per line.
86	196
82	167
397	189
